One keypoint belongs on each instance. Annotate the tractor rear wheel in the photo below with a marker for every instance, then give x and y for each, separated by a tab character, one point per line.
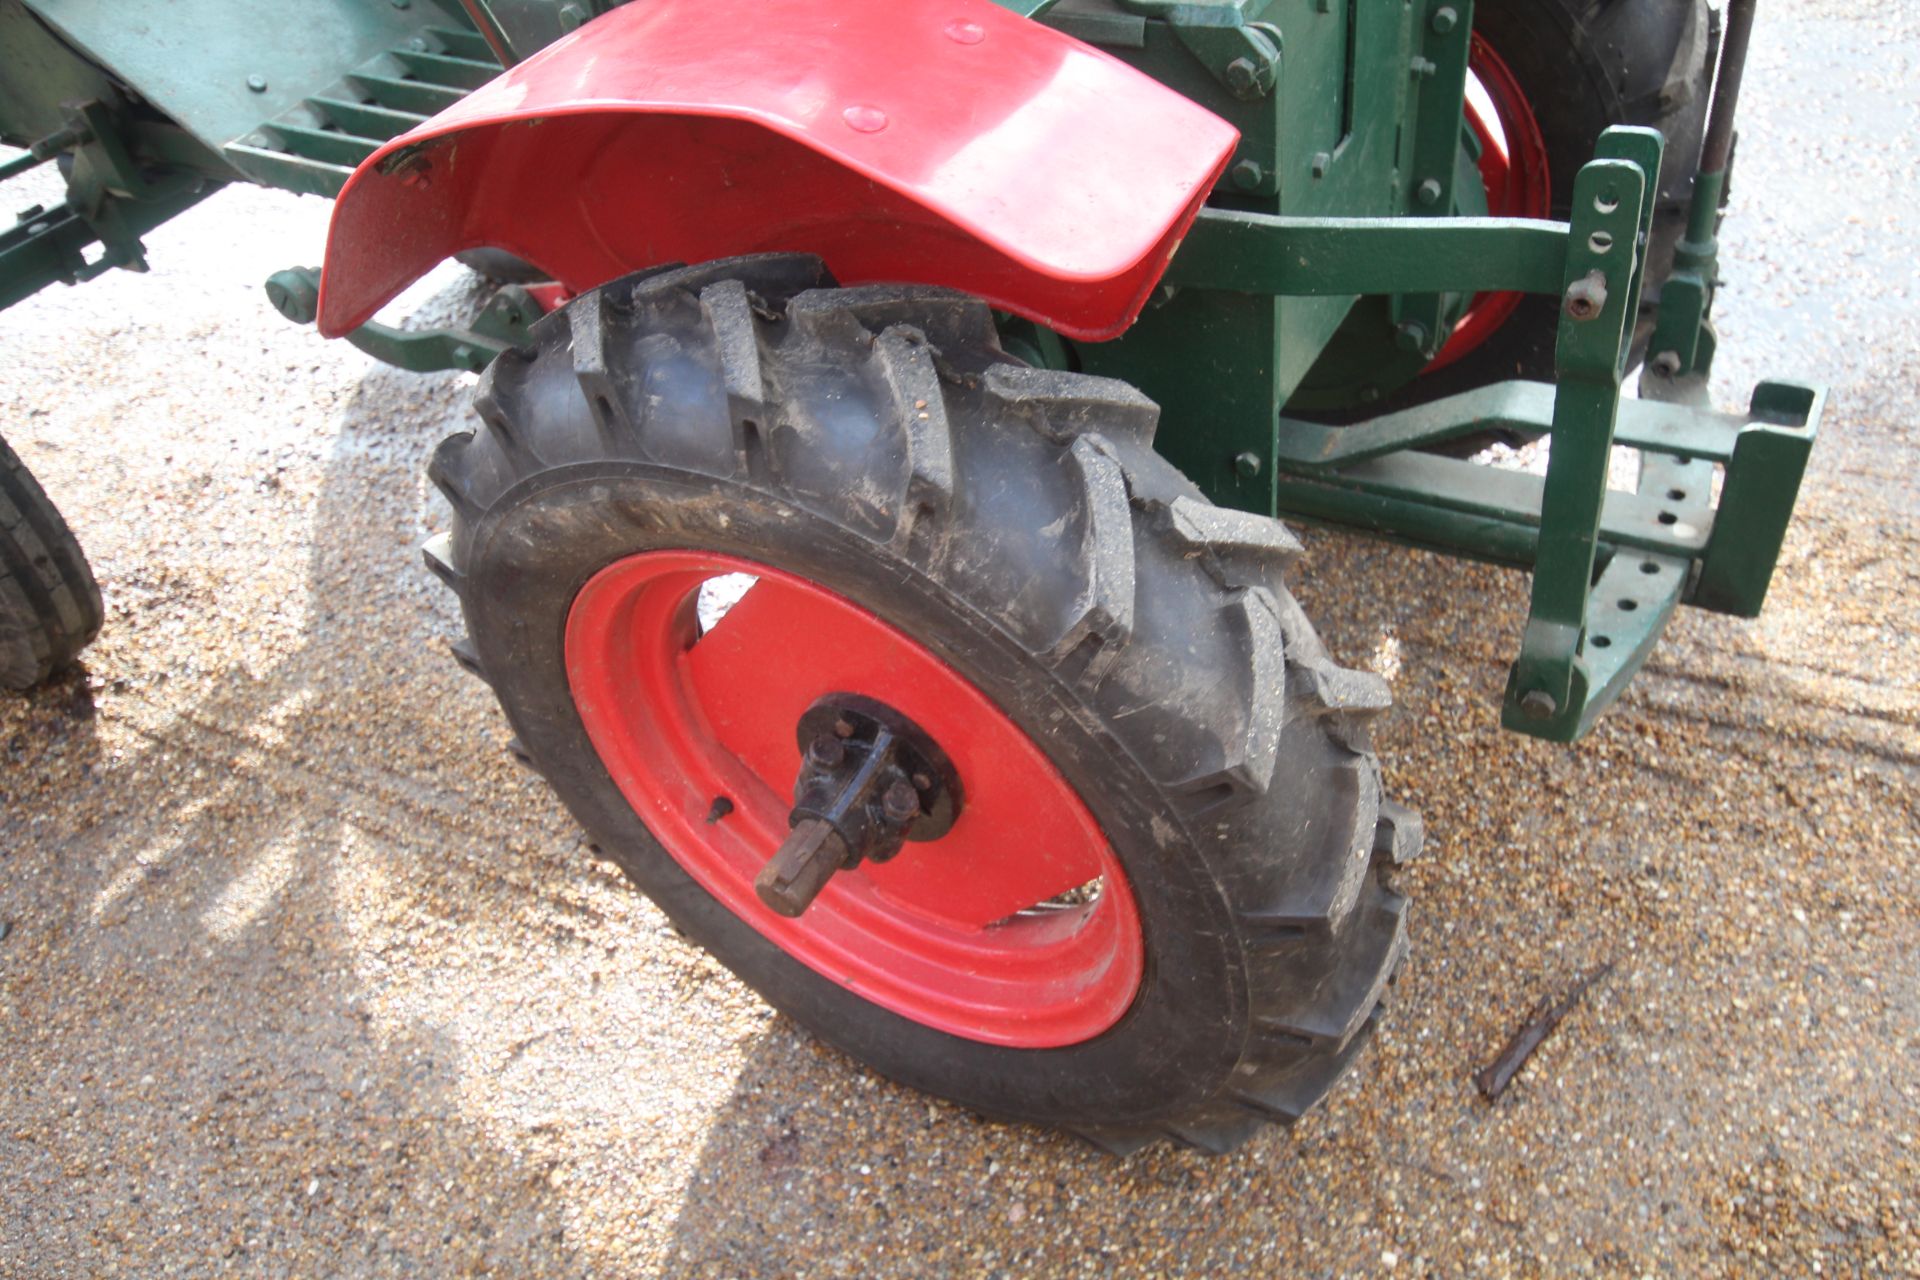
49	604
707	501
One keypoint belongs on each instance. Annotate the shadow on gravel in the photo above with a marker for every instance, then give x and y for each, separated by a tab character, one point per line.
200	1070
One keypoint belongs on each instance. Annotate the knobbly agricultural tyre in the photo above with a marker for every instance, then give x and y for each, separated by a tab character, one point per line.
1005	533
49	604
1579	66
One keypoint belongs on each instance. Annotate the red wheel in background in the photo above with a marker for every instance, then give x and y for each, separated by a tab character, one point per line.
1515	173
1549	76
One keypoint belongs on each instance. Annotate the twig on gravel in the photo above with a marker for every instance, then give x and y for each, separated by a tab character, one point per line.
1494	1078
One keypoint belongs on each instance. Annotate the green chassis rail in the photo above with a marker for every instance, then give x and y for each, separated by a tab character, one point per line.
1608	566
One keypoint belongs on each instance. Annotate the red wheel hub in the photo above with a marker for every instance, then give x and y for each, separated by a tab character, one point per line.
1513	169
1017	927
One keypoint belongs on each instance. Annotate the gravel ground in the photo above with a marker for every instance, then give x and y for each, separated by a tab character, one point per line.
300	975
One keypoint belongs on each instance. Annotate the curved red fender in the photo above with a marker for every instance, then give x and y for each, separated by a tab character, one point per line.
941	142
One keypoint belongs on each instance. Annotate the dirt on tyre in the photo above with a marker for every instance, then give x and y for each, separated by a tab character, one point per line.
1161	911
49	603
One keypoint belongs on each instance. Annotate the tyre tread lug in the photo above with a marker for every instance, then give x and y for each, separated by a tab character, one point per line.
1101	618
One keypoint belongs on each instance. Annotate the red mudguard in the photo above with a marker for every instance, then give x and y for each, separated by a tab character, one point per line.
943	142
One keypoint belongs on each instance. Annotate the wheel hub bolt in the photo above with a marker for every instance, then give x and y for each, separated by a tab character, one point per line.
901	803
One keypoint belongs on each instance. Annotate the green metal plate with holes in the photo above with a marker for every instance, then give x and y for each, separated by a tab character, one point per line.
198	61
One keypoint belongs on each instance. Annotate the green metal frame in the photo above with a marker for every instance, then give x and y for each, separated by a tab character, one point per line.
1608	568
502	323
1336	253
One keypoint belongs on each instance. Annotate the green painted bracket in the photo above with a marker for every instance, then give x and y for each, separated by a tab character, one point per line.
1627	609
50	246
1472	493
1525	408
1677	348
1373	476
501	324
1434	160
1226	37
1260	253
1551	682
1756	501
1608	568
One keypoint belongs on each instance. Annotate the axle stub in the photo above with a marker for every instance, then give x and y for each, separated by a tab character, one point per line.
869	781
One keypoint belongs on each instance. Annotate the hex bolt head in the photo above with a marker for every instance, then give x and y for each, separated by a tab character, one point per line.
1243	77
1321	160
1586	297
827	752
1428	192
1246	465
1538	704
1247	175
1444	19
257	83
901	803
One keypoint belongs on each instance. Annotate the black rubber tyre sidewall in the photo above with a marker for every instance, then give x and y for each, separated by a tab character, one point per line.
1171	1051
50	605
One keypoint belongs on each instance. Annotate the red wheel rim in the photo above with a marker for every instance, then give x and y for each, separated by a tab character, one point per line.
1513	169
967	933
